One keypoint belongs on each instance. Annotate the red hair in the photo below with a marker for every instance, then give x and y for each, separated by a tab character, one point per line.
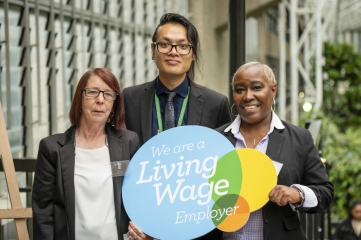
118	117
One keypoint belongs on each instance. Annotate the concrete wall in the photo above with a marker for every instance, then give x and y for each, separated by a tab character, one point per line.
211	19
208	17
267	41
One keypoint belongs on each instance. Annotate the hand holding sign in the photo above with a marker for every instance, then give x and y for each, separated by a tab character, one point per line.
188	180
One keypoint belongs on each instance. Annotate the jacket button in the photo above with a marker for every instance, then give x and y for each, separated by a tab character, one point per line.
265	221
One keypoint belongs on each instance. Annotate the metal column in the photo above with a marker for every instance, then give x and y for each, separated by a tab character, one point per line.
319	57
294	60
282	62
237	42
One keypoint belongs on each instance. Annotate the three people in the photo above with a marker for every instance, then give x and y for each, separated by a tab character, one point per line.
69	163
350	229
75	195
303	182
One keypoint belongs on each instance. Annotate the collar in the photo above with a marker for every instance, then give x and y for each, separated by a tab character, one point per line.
275	123
182	89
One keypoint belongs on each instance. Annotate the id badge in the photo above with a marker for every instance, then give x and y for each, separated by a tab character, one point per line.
119	167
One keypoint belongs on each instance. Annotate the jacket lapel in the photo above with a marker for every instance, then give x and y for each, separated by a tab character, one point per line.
230	137
67	161
275	144
146	107
195	105
274	149
116	153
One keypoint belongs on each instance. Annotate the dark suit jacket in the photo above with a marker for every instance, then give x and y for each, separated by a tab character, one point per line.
205	108
53	190
294	148
345	231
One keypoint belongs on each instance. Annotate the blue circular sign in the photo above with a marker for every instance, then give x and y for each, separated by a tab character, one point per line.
167	188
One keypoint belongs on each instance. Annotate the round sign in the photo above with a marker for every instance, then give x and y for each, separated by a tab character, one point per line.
188	180
166	188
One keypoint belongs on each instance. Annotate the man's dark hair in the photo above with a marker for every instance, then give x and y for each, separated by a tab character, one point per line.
192	36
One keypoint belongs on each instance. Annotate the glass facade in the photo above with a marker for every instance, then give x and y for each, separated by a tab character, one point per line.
46	46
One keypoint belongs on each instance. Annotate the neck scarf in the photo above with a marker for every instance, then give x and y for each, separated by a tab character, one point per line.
356	226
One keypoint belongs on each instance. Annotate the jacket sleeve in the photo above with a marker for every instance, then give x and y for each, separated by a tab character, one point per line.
315	177
43	194
340	231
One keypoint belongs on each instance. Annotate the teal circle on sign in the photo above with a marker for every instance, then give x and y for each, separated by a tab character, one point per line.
167	188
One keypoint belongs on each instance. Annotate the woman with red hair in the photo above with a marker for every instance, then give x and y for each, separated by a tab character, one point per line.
76	195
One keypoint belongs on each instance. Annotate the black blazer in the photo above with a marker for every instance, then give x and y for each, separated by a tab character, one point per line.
53	190
345	231
294	148
205	108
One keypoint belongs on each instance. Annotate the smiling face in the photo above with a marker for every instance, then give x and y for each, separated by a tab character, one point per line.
253	95
172	66
96	110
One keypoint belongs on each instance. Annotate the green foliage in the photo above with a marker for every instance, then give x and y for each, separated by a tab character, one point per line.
341	132
342	150
342	85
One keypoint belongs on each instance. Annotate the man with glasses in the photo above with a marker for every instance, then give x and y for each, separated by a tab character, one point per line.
175	50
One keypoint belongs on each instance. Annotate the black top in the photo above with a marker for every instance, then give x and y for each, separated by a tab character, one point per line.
345	231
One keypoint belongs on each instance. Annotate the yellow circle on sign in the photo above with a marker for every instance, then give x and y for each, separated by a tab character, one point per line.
256	167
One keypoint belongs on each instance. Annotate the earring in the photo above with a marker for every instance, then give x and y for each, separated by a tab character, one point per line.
110	116
153	58
80	110
273	106
232	110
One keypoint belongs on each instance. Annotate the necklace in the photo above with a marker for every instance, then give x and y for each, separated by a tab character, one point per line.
105	140
254	138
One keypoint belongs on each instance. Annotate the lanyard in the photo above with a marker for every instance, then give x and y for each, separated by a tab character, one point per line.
181	115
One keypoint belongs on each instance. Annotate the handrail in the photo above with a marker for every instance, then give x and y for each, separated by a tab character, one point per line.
23	165
317	226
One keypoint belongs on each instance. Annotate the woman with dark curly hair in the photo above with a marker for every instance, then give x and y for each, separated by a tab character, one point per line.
350	229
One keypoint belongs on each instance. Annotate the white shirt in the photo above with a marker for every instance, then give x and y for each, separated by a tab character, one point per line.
94	196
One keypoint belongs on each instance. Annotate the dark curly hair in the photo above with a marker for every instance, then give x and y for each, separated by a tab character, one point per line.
353	205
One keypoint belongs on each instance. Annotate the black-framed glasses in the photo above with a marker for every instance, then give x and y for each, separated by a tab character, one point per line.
182	49
94	93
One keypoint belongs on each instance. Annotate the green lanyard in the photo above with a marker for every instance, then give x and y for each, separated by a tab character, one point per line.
181	115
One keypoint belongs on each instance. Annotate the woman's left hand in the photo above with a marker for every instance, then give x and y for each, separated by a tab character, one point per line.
136	234
282	195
